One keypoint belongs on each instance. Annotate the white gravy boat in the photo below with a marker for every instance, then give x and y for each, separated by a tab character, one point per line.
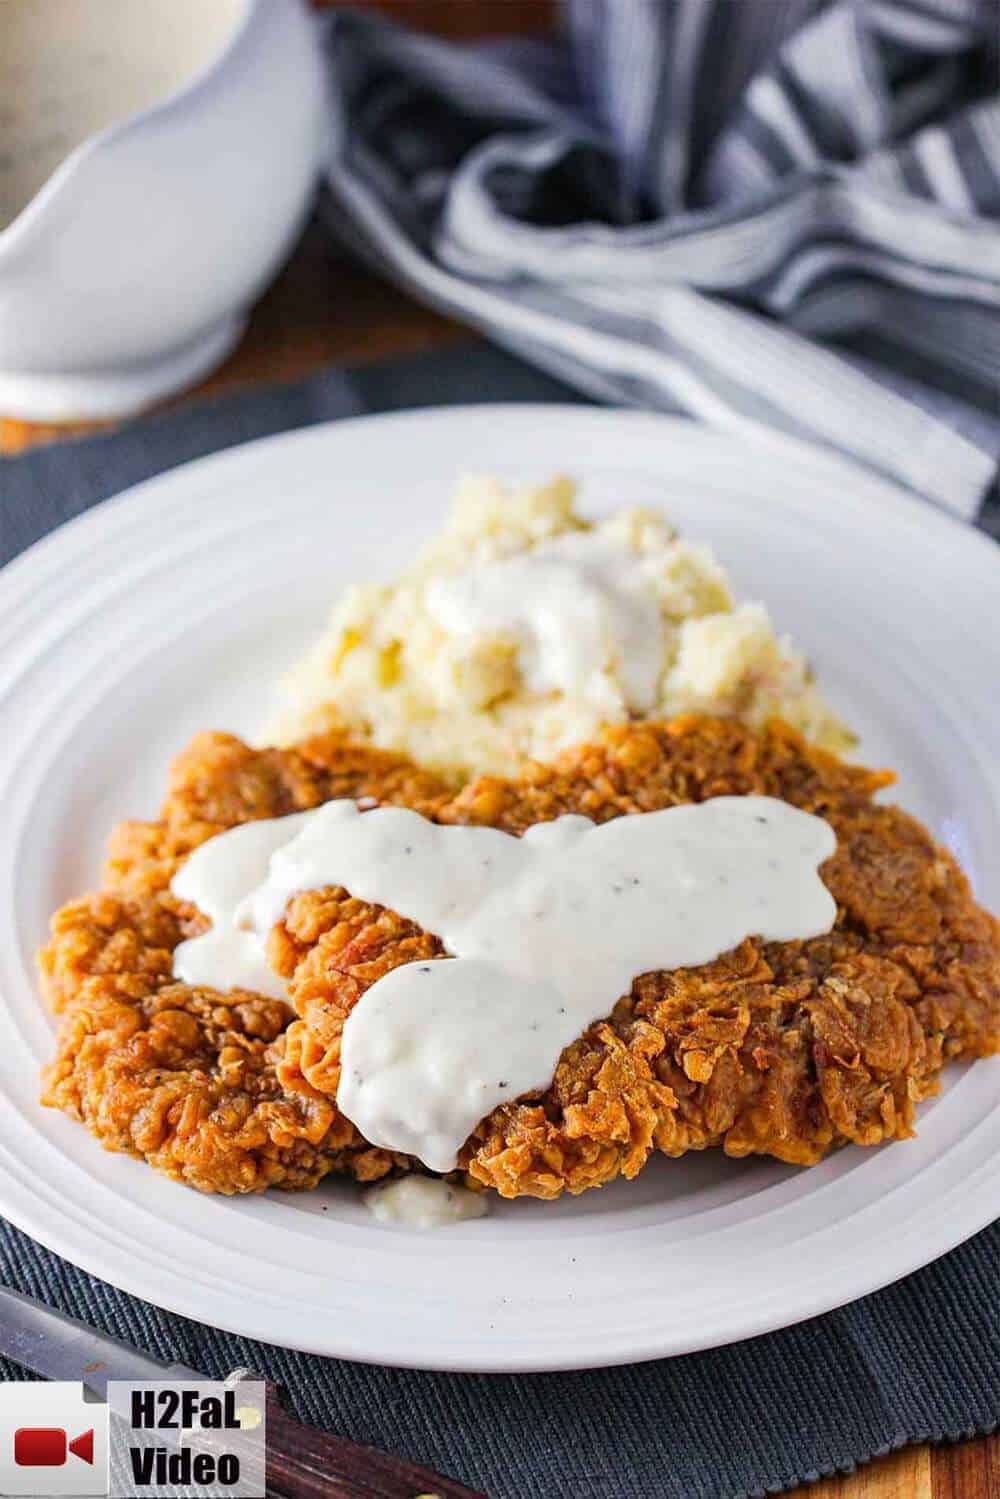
157	158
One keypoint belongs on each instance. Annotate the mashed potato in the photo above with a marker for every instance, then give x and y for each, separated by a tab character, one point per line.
522	628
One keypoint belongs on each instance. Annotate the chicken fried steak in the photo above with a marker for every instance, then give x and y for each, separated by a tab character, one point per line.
786	1049
183	1076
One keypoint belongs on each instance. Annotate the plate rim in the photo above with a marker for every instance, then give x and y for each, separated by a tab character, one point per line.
907	505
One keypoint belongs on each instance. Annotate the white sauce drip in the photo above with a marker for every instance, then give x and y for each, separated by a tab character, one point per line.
216	878
576	606
547	932
424	1202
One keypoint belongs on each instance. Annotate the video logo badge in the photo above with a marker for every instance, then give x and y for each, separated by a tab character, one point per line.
53	1442
49	1446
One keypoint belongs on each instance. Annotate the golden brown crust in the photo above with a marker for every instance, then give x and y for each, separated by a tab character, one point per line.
644	767
785	1049
186	1077
218	781
181	1076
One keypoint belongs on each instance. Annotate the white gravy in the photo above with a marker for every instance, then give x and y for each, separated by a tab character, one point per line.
576	606
424	1202
216	878
547	931
70	68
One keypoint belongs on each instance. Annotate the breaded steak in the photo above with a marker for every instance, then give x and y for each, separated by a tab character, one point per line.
784	1049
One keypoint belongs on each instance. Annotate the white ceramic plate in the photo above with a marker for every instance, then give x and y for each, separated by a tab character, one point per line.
173	608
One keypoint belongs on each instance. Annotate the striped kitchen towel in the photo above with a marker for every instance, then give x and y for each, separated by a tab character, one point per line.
777	212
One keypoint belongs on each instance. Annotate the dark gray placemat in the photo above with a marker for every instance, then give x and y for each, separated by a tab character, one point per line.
919	1361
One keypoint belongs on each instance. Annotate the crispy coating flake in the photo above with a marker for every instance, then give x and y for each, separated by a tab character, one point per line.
185	1077
784	1049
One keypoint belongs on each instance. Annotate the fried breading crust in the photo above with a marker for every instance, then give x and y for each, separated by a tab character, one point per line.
185	1077
785	1049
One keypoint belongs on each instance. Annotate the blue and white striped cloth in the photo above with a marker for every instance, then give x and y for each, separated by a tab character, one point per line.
772	212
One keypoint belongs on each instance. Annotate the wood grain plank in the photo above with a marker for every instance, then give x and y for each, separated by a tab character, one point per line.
462	20
901	1475
970	1470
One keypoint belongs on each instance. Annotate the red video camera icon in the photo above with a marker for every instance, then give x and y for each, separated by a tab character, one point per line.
48	1446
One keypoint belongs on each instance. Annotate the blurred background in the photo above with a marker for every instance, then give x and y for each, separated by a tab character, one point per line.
778	214
324	307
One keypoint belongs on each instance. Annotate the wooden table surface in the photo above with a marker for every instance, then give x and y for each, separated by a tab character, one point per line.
324	310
